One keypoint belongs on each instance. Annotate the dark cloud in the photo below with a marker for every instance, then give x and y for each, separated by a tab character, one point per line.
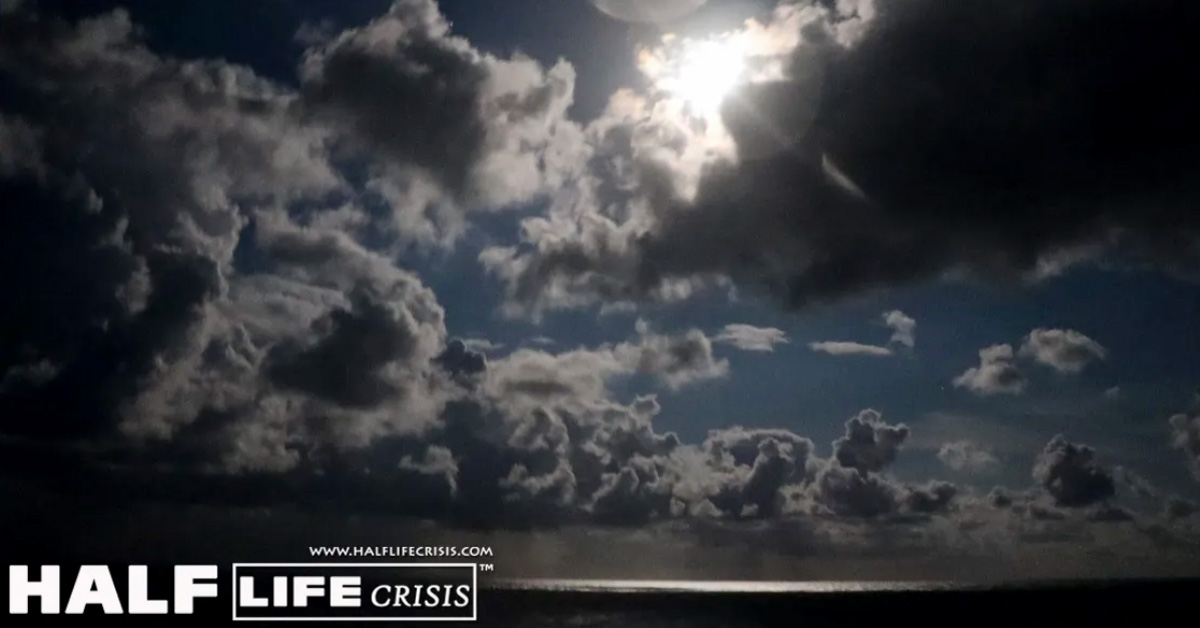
851	482
200	312
1070	473
1111	514
460	361
192	271
933	497
137	204
990	137
1178	508
869	444
848	492
1185	436
348	353
750	469
1000	497
490	132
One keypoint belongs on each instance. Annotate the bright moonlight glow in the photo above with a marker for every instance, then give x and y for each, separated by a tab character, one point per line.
705	74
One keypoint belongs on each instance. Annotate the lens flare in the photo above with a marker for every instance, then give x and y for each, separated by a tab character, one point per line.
701	74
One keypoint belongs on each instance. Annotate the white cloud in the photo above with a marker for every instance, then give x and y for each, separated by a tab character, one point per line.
751	338
996	373
903	328
1064	350
849	348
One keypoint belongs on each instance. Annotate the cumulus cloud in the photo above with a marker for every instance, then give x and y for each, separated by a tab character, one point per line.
168	168
490	131
903	328
678	360
1185	437
967	456
751	338
220	317
1069	472
997	373
1064	350
1072	491
1001	191
852	483
870	445
150	221
849	348
321	365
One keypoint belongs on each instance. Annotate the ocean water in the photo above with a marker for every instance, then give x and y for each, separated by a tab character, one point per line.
680	604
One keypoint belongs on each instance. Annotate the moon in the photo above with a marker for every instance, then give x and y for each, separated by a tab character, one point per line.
647	11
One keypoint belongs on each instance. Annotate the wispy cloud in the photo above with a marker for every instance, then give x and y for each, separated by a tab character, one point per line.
751	338
967	456
849	348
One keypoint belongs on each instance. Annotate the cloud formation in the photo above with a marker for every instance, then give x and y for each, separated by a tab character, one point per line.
480	132
870	445
751	338
903	328
967	456
171	168
210	307
996	374
1185	437
1070	473
834	347
1001	191
1064	350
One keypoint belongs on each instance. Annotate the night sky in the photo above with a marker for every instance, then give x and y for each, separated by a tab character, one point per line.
799	289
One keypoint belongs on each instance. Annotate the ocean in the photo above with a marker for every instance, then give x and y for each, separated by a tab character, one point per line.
656	604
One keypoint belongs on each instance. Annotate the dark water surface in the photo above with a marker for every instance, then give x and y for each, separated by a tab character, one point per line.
664	605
